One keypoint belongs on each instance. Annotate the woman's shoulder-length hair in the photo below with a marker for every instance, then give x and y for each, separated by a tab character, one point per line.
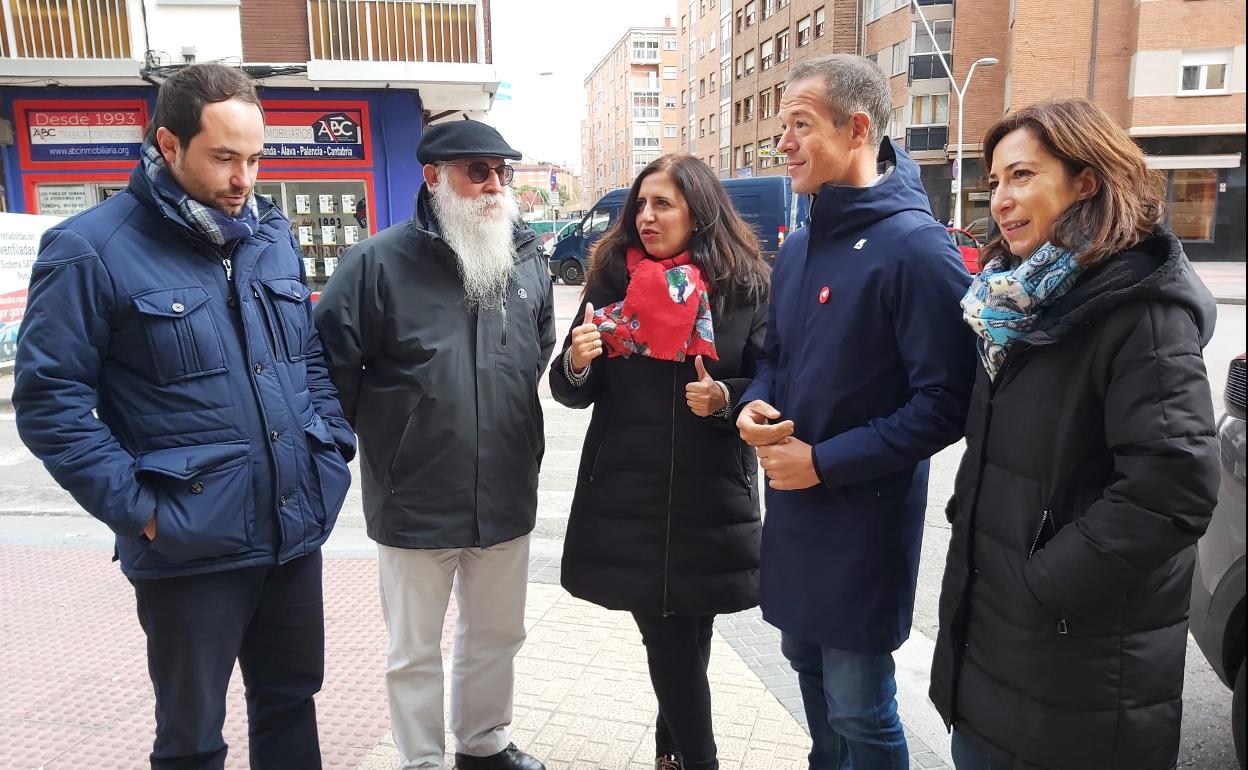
1127	205
722	244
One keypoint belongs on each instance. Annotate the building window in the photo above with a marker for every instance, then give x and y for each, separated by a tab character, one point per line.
710	122
684	99
702	8
874	58
878	8
942	29
749	62
711	83
645	48
669	43
670	132
645	107
751	13
645	142
723	163
736	113
701	127
821	17
1193	203
1205	72
747	107
702	88
725	36
899	59
669	102
930	110
723	119
783	4
684	23
764	104
739	69
782	44
803	31
669	73
766	50
769	7
897	122
740	21
683	138
739	156
748	154
764	154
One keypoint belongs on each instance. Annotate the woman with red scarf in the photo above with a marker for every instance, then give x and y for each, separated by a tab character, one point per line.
665	519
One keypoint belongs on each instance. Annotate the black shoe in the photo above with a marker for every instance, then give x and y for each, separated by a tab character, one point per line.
668	762
510	758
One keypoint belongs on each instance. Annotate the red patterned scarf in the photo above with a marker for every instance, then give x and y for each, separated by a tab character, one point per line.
665	314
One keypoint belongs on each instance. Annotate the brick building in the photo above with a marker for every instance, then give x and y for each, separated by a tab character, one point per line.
632	99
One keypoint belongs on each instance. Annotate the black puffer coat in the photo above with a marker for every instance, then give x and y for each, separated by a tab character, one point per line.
665	518
1091	471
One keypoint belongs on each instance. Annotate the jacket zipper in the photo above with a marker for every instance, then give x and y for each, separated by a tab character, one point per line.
593	469
1045	518
671	481
504	320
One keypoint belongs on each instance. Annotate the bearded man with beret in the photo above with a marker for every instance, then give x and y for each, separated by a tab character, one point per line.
436	332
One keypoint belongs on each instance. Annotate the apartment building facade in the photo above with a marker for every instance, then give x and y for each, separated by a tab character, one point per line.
633	114
706	51
347	86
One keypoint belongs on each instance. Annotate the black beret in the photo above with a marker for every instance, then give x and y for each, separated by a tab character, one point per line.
462	139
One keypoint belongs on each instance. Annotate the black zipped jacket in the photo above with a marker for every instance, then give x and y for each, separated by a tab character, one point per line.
1091	470
665	518
443	399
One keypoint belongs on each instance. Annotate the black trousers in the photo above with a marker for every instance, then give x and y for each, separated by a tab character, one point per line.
678	651
269	619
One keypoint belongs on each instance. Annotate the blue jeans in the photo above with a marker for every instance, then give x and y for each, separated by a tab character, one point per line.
966	756
851	707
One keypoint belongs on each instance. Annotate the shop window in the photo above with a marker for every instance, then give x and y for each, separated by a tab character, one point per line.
69	198
327	218
1193	203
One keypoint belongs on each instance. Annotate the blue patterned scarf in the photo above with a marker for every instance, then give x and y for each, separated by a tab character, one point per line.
1004	301
216	226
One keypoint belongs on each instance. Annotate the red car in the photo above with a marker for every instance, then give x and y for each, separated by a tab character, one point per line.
969	247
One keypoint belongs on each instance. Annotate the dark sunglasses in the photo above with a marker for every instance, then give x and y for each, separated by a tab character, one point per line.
479	171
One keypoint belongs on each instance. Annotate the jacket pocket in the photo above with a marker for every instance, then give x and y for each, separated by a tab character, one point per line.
204	506
1045	531
285	315
332	477
181	333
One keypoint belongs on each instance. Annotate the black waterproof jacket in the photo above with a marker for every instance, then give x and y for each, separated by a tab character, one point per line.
665	519
1091	470
444	400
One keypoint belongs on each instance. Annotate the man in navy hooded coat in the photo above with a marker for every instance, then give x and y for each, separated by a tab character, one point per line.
865	374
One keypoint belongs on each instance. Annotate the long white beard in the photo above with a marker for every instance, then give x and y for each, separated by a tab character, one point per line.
479	230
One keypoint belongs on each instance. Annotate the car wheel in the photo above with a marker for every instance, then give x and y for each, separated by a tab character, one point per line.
571	273
1237	712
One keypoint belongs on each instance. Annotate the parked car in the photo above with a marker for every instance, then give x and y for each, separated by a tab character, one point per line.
1217	611
768	204
968	245
8	340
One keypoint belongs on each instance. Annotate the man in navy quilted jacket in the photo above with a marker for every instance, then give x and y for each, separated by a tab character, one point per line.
170	378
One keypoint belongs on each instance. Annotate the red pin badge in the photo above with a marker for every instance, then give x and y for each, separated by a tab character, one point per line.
824	293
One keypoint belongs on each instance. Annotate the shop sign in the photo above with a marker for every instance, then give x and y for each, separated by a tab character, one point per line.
63	200
71	134
313	134
19	245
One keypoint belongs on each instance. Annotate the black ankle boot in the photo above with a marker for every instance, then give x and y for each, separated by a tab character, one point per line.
510	758
668	762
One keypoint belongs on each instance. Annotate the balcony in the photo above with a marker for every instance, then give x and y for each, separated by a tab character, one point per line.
926	138
396	31
925	66
57	38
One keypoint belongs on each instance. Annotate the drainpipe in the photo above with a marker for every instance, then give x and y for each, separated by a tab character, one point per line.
1096	18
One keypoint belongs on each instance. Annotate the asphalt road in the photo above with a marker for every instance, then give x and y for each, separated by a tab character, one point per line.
34	511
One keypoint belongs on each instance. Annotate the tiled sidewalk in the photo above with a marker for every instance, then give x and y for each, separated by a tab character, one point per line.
76	692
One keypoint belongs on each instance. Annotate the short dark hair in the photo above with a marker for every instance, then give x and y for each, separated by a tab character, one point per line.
1128	204
181	99
722	244
851	84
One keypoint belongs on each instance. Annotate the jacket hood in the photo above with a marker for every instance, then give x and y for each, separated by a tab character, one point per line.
839	209
1156	268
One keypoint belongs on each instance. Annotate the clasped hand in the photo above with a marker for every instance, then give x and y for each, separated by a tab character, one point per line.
786	459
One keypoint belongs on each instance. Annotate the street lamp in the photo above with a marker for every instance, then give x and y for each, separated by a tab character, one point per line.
987	61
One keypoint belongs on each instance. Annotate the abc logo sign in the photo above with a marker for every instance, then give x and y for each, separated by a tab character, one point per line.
336	128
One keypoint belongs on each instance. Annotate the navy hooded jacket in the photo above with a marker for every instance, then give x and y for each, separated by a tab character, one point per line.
876	374
152	380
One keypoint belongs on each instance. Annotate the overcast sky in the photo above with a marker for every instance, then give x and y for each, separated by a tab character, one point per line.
567	38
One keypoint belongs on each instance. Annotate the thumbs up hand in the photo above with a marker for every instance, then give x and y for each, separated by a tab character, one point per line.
586	341
704	395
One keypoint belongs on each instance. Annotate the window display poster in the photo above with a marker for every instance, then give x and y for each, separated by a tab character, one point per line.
309	266
348	203
305	236
330	264
329	235
19	245
303	204
350	233
62	200
327	204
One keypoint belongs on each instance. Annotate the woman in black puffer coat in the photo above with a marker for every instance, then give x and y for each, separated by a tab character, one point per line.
1091	466
665	519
